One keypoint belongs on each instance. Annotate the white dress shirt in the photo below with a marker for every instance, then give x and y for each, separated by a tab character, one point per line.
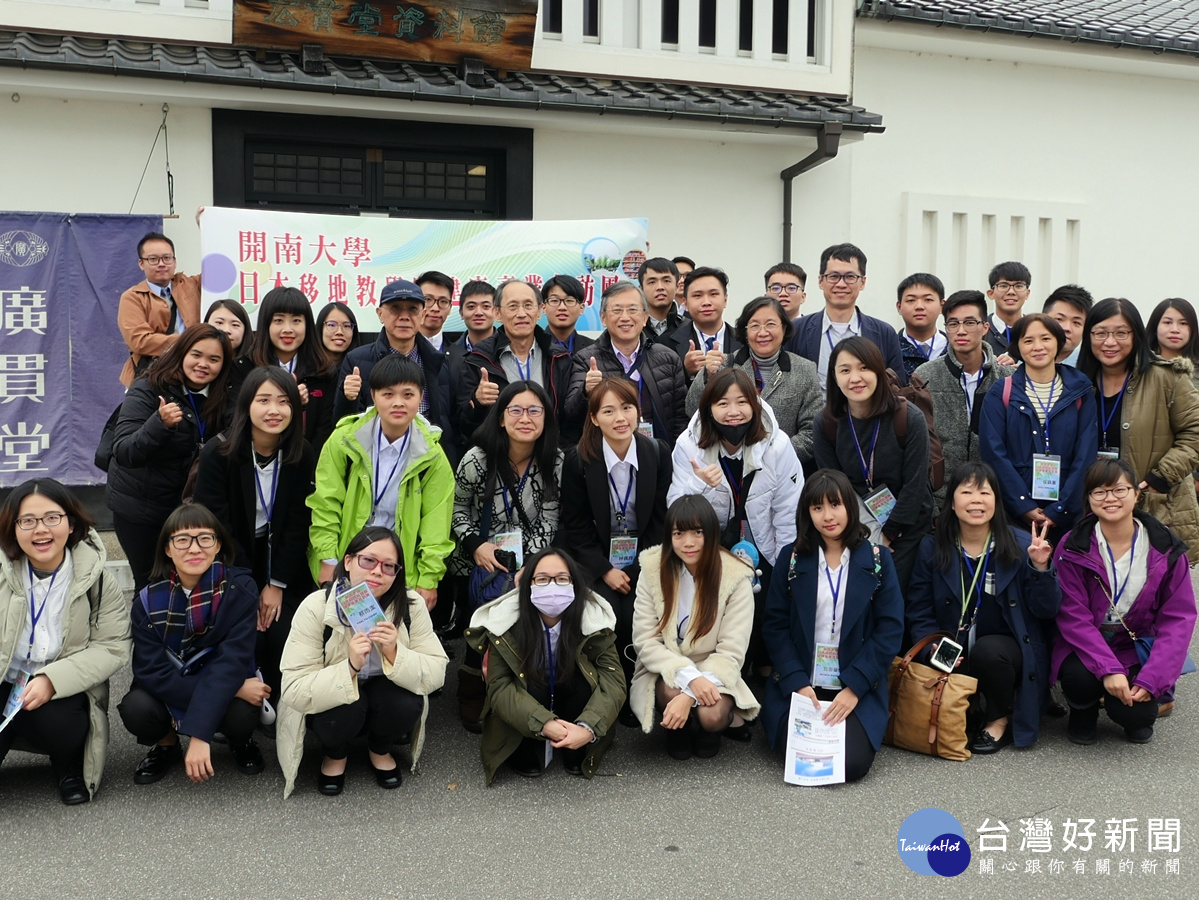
834	333
623	473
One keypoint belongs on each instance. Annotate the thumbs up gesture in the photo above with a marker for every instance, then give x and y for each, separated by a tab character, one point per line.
170	413
714	359
486	393
694	360
710	475
594	377
352	386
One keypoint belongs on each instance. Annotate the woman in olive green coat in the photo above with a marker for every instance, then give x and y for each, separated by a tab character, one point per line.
1148	414
554	681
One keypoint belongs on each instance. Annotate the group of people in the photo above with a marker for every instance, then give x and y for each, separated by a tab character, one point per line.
680	523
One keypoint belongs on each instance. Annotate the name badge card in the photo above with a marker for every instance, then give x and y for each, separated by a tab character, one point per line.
1046	476
827	671
646	428
622	551
1108	454
511	540
880	504
13	706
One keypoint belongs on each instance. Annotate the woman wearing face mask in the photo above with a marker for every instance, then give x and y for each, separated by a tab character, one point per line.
1123	574
834	622
1148	414
342	682
64	631
554	683
255	482
991	587
859	435
165	420
193	652
614	502
338	327
1038	431
691	625
231	318
506	492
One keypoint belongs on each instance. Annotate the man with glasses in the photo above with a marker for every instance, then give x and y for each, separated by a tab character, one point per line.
960	379
401	309
562	297
1010	284
153	313
842	279
438	289
785	282
659	280
520	351
623	351
684	265
919	299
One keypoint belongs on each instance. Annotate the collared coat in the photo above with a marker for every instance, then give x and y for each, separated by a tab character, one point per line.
144	317
95	641
511	713
806	340
870	633
660	654
1028	601
316	678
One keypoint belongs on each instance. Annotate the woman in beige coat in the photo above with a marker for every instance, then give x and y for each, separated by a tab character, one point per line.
1148	414
350	682
691	624
64	631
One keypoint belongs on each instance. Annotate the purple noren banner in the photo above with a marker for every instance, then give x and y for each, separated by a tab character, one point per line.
61	278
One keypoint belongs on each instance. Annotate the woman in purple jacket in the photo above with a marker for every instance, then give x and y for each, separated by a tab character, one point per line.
1124	576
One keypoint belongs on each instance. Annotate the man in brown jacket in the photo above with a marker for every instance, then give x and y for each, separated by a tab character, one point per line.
153	313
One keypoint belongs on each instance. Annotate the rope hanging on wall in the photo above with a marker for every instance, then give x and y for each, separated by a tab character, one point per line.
166	142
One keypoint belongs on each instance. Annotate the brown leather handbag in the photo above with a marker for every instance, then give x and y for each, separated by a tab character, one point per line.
928	706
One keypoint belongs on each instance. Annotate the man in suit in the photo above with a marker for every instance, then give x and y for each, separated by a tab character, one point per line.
705	335
152	314
659	280
842	279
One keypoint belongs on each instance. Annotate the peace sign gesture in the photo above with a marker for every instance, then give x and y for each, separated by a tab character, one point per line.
1039	550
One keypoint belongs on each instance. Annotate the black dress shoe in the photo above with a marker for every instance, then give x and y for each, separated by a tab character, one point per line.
1134	735
330	785
572	762
157	763
524	768
678	743
248	757
72	790
1083	726
474	726
742	733
706	744
388	779
983	743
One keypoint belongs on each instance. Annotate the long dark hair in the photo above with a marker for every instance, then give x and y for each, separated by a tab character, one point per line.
529	630
247	330
719	385
1139	359
591	444
77	515
691	512
492	439
167	370
1191	348
827	486
948	531
884	399
311	358
291	442
189	515
323	316
396	599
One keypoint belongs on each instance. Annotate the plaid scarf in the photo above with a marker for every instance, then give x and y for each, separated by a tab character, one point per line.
178	618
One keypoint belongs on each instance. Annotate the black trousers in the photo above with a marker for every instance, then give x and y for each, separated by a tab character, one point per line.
756	654
384	710
268	649
1084	691
139	543
569	701
995	660
622	605
58	728
148	719
859	752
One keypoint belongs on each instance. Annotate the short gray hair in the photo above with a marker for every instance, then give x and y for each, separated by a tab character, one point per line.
499	291
621	287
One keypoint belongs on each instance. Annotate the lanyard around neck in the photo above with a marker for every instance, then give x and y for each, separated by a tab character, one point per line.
978	581
1104	415
1118	593
834	590
268	508
622	505
549	655
520	486
1046	408
195	409
35	615
382	488
867	468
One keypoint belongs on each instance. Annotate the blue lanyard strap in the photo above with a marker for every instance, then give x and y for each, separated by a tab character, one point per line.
549	655
834	590
623	505
681	628
520	486
828	331
1045	408
196	410
978	582
734	482
35	615
268	508
966	392
1117	594
867	468
290	365
1105	418
527	370
382	488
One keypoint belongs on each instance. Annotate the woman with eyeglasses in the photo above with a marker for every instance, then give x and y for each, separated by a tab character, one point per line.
991	587
342	683
506	500
231	317
554	682
64	632
691	626
1124	579
165	420
1148	414
338	327
1037	429
194	627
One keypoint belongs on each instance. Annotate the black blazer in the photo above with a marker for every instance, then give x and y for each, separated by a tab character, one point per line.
806	340
680	340
585	516
225	484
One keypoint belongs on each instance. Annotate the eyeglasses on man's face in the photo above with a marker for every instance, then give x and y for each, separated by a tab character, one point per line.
958	324
440	303
1003	287
566	301
785	289
848	277
155	260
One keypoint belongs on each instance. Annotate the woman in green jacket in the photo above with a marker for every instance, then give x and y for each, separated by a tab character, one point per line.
554	681
64	631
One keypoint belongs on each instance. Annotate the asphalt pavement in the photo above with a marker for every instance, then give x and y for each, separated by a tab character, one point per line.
645	827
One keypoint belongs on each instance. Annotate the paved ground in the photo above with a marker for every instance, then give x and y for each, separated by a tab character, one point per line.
645	827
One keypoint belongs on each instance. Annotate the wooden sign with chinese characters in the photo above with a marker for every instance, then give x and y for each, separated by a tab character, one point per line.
499	32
